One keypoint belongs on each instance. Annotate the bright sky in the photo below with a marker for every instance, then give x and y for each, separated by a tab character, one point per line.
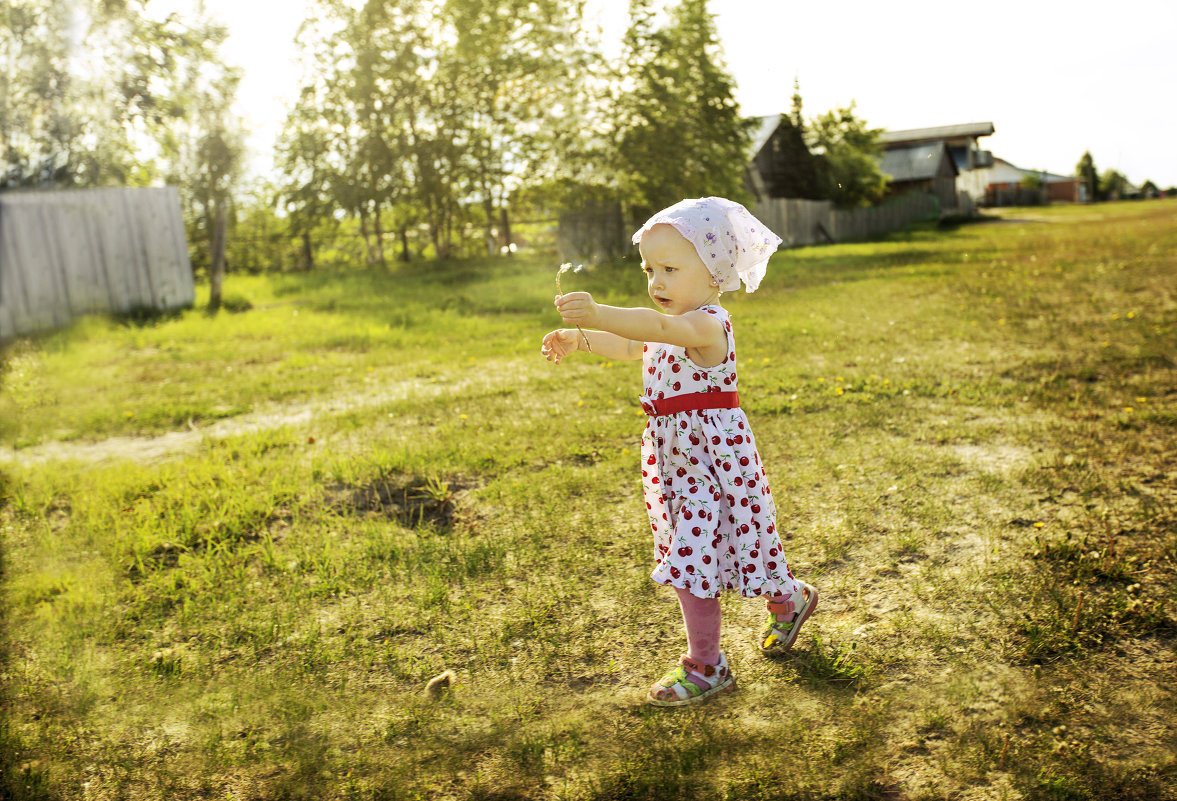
1054	78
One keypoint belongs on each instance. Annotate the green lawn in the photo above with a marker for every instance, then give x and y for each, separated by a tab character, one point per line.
235	549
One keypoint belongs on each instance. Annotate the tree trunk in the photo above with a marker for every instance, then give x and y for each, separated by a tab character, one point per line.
492	245
367	237
505	228
379	226
308	253
404	245
216	274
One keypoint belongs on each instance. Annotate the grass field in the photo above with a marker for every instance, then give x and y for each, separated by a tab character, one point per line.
234	549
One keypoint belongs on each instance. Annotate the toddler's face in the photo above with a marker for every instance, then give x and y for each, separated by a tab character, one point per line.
676	277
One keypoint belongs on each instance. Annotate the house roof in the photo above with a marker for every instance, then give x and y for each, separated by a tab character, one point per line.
912	135
762	134
1005	172
916	162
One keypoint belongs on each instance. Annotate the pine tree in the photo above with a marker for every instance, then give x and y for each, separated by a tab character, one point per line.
1085	171
679	130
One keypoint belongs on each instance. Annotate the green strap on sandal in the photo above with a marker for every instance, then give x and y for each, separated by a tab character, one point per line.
785	619
691	681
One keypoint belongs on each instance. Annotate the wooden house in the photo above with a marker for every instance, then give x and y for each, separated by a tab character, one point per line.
924	159
781	165
924	167
962	144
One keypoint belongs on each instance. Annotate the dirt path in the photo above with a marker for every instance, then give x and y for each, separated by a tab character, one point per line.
266	417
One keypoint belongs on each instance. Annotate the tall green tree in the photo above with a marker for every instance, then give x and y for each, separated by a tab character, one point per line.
345	143
1088	176
1113	185
203	146
848	153
426	112
83	86
512	61
679	131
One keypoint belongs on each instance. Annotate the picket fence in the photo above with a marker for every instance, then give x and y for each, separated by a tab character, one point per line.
72	252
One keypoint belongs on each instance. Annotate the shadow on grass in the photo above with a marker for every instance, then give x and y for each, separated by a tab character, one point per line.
830	665
145	316
19	781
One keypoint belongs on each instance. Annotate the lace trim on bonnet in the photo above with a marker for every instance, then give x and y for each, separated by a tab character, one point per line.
734	245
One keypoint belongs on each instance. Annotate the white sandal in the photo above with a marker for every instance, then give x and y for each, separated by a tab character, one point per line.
780	634
691	681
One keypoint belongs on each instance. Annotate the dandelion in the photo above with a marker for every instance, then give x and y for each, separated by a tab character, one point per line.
565	267
1142	400
461	417
1131	314
1039	525
839	391
1128	410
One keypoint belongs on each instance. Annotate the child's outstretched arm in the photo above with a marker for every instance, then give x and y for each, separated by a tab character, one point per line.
563	341
694	329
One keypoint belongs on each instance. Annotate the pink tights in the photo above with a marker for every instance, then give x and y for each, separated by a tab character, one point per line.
702	618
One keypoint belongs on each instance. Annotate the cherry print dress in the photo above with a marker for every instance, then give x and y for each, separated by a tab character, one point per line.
710	507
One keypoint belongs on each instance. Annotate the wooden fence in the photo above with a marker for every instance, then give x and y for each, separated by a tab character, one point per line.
72	252
814	222
601	235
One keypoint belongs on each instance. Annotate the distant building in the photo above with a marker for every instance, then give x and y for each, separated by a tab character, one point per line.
926	167
962	143
939	161
780	165
1007	185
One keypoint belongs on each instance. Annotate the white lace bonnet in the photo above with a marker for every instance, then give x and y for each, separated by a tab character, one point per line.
732	243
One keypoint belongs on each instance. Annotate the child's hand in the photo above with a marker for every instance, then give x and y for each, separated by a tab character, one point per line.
578	308
560	343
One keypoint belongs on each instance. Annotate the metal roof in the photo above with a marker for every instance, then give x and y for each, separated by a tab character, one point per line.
968	129
915	163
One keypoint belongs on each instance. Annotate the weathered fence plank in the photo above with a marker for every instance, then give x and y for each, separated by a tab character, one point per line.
67	253
603	235
812	222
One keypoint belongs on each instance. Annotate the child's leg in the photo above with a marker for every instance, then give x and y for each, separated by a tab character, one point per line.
703	671
702	619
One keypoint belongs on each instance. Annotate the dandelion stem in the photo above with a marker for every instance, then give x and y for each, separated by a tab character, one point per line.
565	267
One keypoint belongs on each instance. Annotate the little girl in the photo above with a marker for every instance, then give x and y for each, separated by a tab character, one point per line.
713	517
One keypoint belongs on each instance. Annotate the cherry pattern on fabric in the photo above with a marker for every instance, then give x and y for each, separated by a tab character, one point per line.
710	507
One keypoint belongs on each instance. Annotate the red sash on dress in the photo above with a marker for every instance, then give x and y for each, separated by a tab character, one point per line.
695	401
